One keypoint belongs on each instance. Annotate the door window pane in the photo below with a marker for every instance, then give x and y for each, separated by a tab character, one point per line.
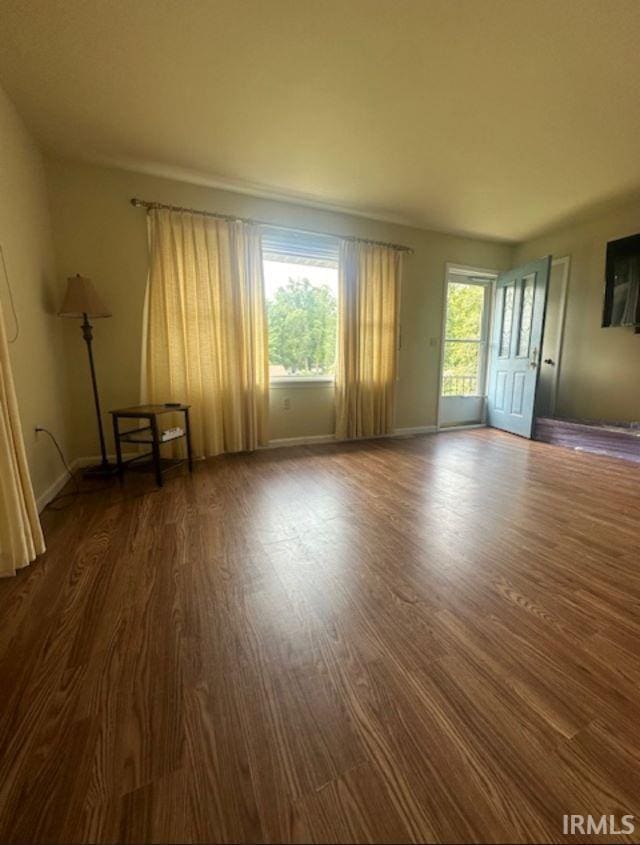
526	315
507	320
461	368
465	304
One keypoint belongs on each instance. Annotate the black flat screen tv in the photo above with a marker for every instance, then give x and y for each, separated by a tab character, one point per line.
622	286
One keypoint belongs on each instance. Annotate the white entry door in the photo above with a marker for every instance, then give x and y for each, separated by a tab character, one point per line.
518	326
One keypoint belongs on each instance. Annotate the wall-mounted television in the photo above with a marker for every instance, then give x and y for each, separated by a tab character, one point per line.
622	288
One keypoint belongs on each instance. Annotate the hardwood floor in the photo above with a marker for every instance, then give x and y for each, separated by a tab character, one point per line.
433	639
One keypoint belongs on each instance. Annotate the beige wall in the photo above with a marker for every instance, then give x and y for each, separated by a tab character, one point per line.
99	234
37	356
600	375
96	232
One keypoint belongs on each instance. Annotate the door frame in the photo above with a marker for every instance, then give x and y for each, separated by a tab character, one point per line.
565	261
490	275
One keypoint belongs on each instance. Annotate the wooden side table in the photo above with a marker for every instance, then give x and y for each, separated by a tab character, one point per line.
149	433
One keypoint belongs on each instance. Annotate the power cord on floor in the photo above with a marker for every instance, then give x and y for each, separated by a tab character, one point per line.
78	490
67	468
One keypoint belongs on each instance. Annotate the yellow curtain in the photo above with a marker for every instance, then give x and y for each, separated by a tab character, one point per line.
205	328
20	532
366	366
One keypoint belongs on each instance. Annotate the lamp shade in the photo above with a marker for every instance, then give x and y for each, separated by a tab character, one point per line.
82	298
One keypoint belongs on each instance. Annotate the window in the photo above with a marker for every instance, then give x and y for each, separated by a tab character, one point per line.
526	315
465	338
301	290
508	294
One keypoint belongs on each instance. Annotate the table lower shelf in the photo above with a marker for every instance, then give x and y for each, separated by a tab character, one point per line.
127	438
145	463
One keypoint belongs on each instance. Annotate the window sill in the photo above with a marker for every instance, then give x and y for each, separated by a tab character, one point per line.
463	395
302	381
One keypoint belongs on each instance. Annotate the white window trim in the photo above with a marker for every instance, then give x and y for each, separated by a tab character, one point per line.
301	381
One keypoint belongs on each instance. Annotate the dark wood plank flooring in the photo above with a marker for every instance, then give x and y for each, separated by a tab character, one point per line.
432	639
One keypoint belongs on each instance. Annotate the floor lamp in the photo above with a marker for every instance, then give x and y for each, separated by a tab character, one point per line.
82	301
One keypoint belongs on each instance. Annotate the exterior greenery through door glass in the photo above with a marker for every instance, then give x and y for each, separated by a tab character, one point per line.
465	339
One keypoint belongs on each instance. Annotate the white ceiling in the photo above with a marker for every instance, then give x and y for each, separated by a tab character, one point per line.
492	117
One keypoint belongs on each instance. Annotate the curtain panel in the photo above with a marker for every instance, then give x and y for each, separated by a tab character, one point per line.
205	328
20	532
366	365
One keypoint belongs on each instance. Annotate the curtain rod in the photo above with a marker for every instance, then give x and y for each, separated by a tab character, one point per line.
138	203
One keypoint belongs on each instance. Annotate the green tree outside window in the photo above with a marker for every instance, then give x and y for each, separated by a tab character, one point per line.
302	328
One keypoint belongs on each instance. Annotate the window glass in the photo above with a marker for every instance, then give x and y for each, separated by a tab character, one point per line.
526	315
465	304
302	309
507	319
461	368
464	339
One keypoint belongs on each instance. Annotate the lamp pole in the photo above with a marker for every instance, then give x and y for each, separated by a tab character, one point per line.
87	334
82	300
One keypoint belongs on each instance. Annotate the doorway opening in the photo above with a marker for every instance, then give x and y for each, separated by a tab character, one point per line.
466	325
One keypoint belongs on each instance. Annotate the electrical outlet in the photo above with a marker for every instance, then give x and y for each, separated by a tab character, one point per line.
286	403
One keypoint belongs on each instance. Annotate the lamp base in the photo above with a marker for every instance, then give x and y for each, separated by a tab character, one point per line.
103	470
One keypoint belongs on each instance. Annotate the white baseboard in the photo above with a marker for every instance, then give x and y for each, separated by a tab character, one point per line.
316	439
461	427
56	486
418	429
312	440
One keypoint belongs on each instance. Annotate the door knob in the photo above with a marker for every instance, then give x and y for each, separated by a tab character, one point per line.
550	361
